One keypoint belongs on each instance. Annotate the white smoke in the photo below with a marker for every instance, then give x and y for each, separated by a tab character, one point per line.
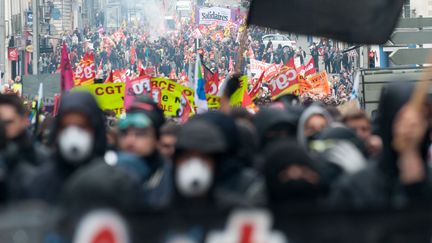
152	15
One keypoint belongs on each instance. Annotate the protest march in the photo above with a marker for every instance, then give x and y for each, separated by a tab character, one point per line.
215	128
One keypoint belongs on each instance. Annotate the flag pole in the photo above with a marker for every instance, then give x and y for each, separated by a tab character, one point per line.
242	41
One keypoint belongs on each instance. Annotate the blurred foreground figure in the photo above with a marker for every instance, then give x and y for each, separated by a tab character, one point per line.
139	136
292	176
401	175
360	123
20	155
207	172
78	137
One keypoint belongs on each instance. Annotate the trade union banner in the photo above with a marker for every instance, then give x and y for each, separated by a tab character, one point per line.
316	84
170	94
109	96
209	16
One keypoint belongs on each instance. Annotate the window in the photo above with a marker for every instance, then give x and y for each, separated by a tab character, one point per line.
279	38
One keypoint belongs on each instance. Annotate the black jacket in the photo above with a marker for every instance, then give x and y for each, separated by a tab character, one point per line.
378	185
19	161
49	180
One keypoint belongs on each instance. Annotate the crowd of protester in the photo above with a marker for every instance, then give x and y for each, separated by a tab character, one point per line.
287	153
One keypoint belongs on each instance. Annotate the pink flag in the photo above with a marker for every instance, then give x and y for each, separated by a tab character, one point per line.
66	80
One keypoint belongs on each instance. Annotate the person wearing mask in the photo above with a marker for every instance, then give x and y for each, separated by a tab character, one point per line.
139	136
78	137
197	167
400	176
239	176
292	177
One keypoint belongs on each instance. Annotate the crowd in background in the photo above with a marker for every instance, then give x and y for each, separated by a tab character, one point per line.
288	153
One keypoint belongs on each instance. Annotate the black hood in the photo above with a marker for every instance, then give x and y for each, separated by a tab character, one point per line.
393	98
269	118
228	128
279	156
84	103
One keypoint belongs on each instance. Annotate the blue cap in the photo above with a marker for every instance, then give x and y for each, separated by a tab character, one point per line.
137	120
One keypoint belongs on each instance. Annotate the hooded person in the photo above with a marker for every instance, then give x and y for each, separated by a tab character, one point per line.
236	169
198	149
201	175
139	137
292	176
273	124
313	120
78	137
20	156
400	176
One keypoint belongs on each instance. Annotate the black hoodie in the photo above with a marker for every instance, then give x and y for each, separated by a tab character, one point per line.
48	182
378	185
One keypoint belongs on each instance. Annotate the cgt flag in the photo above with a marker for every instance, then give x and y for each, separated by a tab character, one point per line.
85	72
211	81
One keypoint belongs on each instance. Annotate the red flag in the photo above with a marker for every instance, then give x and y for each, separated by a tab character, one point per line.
248	103
173	74
110	78
251	53
66	80
254	92
310	68
291	63
301	70
187	108
132	55
285	82
56	103
85	72
141	69
119	76
211	81
184	79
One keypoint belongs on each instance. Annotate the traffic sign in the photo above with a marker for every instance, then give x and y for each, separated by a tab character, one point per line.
411	56
411	37
414	23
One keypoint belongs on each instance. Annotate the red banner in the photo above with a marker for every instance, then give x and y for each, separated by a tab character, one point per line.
13	54
133	55
85	72
307	70
286	82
